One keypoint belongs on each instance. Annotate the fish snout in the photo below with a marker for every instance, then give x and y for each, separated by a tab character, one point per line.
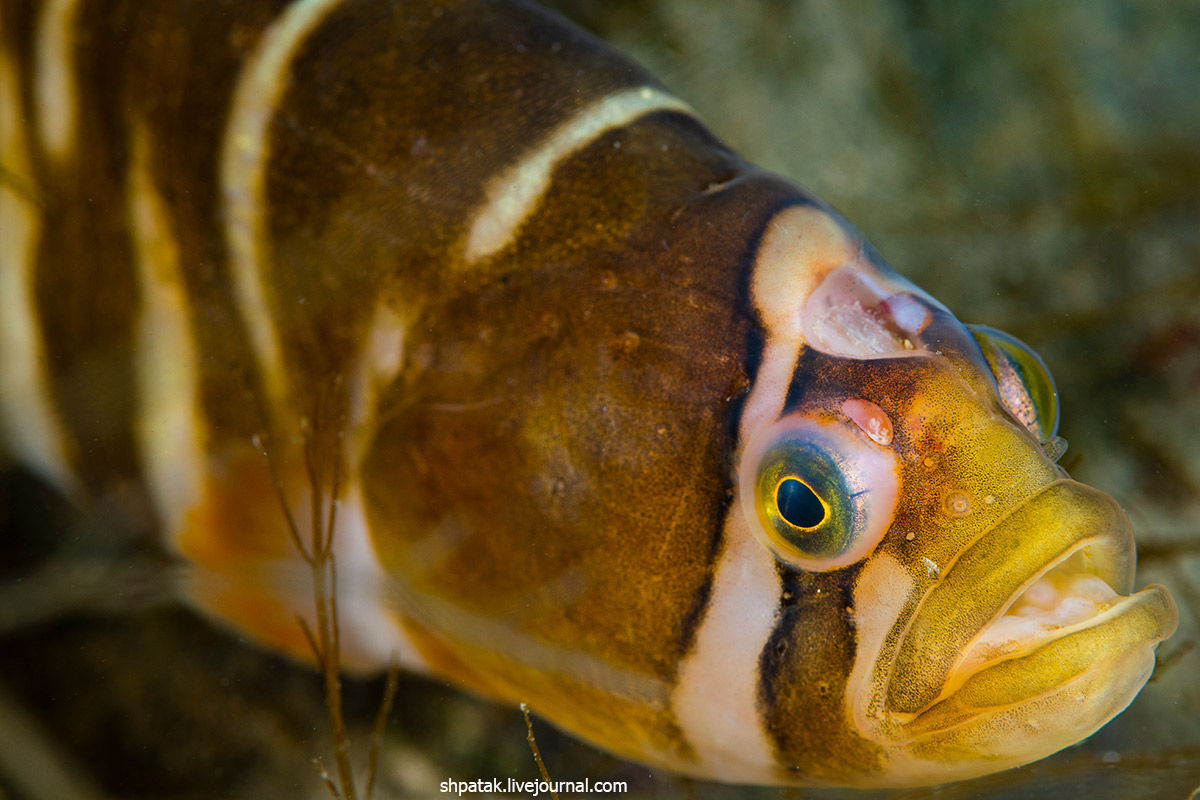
1030	633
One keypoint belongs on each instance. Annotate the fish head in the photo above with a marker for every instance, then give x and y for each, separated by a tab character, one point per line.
911	473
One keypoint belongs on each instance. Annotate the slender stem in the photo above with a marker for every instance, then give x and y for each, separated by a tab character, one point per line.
537	755
385	710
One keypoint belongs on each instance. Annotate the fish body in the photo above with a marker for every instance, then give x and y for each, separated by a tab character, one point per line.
601	417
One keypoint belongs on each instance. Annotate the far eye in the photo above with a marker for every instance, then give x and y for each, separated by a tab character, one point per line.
817	495
1026	386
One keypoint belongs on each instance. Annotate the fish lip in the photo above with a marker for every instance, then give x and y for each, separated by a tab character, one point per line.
933	658
1151	612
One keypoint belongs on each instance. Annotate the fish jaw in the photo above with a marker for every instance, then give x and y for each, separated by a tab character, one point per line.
1023	645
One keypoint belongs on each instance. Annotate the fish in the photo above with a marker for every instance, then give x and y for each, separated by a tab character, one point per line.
591	414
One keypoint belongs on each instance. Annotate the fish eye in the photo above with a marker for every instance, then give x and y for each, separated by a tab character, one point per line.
1026	386
817	495
799	505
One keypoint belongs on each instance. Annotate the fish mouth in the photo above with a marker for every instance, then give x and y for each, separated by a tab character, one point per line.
1031	633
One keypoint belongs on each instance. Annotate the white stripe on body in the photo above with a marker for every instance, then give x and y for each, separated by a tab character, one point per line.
243	163
716	700
370	629
31	425
55	84
170	430
376	366
513	195
370	619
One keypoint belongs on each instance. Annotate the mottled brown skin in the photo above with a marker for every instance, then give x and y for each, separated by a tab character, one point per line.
567	408
510	451
570	404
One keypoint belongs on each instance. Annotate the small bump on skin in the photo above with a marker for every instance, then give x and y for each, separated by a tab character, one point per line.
628	342
872	419
957	504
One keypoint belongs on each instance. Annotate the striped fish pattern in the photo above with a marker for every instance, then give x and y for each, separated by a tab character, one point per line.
614	423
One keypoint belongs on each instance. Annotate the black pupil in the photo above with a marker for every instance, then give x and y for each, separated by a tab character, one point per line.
799	504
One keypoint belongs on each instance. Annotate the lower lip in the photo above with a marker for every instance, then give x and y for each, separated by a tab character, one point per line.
1105	642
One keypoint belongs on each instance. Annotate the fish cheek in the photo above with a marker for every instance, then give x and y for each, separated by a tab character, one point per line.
804	669
564	485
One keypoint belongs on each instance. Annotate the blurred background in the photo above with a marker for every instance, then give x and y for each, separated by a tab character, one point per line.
1035	166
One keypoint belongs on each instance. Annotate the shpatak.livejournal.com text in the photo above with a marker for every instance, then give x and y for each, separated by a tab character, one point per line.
531	788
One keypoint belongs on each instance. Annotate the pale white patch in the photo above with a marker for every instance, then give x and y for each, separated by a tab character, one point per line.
244	159
801	246
882	589
377	365
859	312
55	87
31	426
370	628
513	194
716	699
170	428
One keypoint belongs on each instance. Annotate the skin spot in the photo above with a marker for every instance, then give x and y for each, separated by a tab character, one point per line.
739	385
549	325
629	342
872	419
957	504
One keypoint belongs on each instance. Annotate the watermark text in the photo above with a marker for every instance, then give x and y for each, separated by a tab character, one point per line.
531	788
